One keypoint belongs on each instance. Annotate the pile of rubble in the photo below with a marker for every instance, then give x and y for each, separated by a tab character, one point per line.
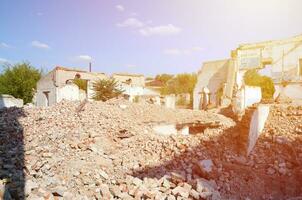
110	151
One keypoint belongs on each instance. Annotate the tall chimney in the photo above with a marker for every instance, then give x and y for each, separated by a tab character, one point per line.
89	66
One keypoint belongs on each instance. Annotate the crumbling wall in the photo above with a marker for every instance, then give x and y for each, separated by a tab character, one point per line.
7	101
46	91
293	91
63	75
252	95
136	80
282	55
257	125
70	92
212	75
170	101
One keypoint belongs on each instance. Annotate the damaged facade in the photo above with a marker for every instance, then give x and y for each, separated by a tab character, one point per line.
134	86
283	58
58	85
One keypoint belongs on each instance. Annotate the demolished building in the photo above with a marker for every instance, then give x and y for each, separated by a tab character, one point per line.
283	58
58	85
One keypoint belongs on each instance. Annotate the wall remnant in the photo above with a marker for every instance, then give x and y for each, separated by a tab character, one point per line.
170	101
256	126
55	86
7	101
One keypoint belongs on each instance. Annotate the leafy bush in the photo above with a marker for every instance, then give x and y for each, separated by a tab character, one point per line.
181	101
180	84
253	78
81	83
20	81
105	89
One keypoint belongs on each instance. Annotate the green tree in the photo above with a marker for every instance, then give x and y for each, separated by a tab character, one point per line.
19	80
253	78
181	83
105	89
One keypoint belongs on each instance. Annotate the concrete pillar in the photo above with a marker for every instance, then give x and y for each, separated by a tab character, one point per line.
170	101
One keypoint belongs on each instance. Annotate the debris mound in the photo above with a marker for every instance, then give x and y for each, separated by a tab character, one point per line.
110	151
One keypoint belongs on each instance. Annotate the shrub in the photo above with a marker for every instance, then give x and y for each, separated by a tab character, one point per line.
81	83
105	89
253	78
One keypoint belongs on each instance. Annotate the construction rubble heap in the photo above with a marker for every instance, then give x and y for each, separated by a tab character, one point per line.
110	151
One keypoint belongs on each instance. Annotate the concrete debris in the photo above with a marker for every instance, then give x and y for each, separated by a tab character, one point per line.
105	152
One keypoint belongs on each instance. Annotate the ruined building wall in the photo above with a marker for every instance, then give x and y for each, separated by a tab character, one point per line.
212	75
282	55
46	90
136	80
63	75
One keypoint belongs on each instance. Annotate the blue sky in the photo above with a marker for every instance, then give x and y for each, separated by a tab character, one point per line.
139	36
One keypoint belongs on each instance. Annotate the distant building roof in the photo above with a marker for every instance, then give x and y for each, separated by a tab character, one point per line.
74	70
126	74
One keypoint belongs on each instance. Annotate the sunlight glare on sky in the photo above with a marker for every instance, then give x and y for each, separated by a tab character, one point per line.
148	37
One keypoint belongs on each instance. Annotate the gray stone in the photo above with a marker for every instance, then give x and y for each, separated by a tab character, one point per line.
29	186
206	165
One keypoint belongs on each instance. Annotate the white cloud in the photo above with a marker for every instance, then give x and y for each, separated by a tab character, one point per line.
83	58
3	60
164	30
177	51
131	22
120	8
39	45
4	45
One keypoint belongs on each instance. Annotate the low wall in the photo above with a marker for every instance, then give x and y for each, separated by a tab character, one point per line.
170	101
70	92
10	101
252	95
256	125
293	91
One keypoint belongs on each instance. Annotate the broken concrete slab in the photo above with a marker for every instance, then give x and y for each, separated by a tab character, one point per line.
256	125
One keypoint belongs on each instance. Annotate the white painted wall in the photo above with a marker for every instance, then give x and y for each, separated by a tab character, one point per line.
252	95
7	101
170	101
293	91
256	126
70	92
